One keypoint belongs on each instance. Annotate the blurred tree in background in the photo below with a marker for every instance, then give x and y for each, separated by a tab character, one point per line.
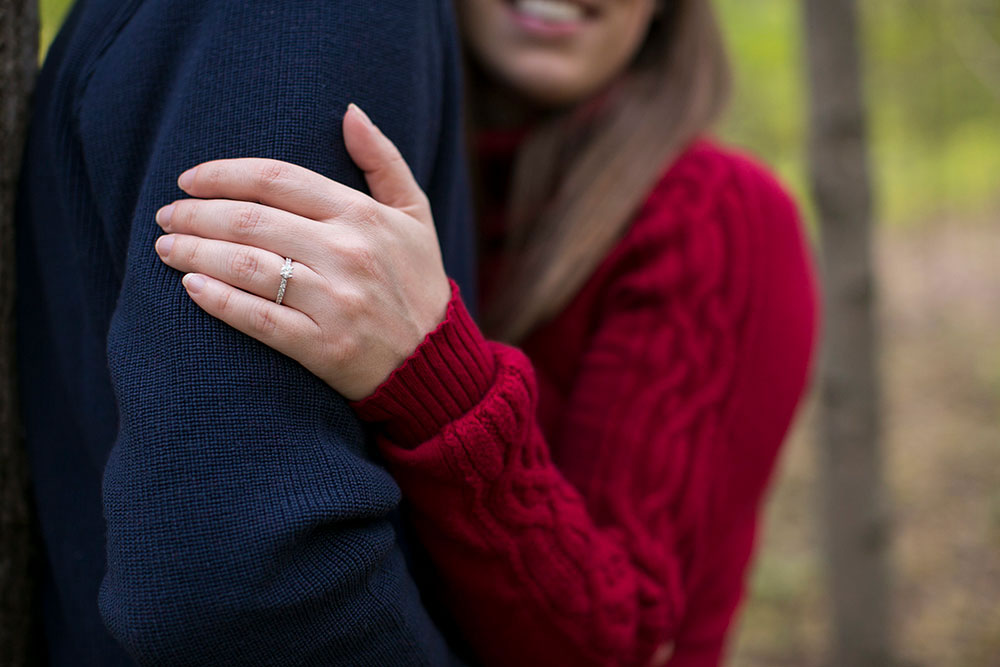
18	49
932	85
856	530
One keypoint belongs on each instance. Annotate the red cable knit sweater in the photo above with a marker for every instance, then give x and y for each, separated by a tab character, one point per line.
592	499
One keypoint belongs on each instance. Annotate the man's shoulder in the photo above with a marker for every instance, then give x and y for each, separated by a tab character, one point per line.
157	29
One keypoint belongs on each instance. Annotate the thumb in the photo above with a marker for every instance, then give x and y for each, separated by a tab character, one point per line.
389	177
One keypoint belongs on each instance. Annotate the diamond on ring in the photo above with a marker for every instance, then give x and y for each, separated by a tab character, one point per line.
286	273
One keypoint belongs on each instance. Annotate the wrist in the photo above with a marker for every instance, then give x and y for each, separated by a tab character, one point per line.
446	291
446	376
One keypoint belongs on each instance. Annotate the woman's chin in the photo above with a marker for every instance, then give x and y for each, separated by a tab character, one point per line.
548	89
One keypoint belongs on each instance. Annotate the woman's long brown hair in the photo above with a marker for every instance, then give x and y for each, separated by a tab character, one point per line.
581	175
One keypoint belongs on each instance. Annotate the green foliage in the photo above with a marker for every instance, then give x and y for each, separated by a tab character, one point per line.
934	109
767	114
934	116
935	121
51	14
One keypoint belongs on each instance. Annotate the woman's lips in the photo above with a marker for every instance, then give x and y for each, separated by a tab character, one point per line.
550	18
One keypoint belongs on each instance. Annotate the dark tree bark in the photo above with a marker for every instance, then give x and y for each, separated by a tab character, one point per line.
854	506
18	63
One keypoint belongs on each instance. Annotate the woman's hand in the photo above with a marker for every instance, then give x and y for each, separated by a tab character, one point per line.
368	282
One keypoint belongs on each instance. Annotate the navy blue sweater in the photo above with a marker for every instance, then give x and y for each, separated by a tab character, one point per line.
202	497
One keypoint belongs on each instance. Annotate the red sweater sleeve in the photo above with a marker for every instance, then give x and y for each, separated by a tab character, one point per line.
599	561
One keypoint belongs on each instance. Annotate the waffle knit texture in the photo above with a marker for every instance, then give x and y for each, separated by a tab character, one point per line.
240	520
592	498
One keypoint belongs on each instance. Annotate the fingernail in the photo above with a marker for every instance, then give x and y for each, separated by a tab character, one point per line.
193	282
361	114
163	215
164	244
185	180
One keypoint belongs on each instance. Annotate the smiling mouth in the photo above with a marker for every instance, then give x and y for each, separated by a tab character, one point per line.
553	12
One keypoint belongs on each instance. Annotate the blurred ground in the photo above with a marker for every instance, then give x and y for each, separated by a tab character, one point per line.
940	319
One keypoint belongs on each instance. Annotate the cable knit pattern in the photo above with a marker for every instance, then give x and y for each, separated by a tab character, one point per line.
603	513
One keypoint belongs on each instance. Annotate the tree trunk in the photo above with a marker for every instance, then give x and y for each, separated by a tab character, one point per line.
854	511
18	63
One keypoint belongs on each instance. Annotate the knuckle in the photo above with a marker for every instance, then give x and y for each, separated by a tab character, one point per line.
394	160
210	175
262	319
366	211
225	302
184	213
329	202
270	172
362	259
244	265
372	211
191	250
329	246
247	219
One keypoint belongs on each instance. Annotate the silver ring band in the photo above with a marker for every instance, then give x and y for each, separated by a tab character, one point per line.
286	273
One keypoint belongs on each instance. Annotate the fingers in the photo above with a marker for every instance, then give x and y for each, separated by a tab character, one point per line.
246	223
302	192
284	329
250	269
389	177
271	182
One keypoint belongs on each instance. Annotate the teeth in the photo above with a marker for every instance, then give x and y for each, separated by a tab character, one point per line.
552	11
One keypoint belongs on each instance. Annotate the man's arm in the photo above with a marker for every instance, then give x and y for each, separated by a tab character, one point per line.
245	524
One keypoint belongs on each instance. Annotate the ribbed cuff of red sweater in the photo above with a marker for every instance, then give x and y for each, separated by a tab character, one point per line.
445	377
